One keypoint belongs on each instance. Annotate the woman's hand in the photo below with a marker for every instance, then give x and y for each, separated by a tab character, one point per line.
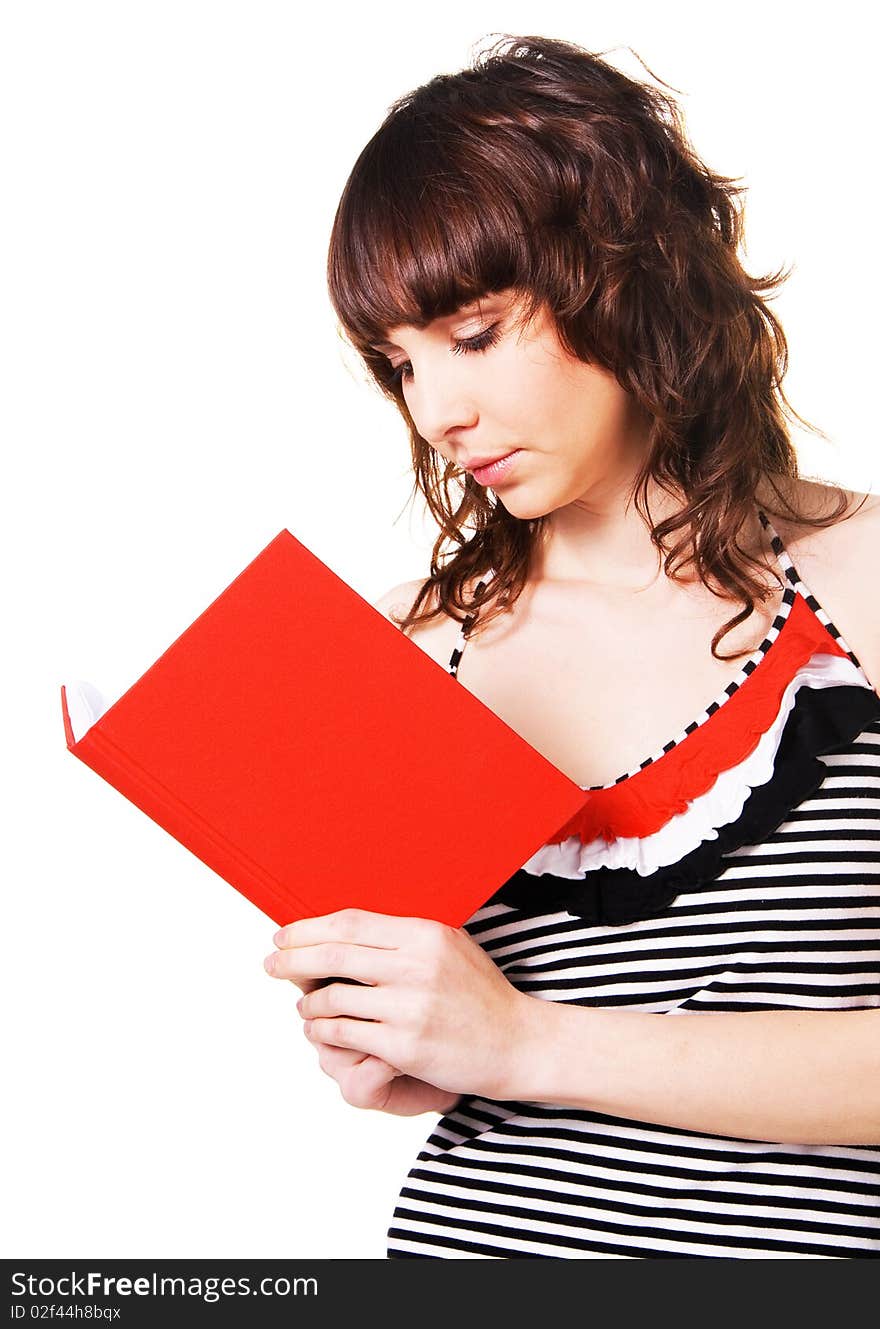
369	1082
427	1000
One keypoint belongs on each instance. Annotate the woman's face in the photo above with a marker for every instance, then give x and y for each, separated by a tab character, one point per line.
576	433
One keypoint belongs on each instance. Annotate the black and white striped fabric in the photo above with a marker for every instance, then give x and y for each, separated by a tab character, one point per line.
792	922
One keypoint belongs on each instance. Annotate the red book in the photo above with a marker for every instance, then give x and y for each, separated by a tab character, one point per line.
317	759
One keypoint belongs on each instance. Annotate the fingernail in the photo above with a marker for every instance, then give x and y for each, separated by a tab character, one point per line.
269	964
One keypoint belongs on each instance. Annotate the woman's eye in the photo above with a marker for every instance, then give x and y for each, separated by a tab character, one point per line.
404	372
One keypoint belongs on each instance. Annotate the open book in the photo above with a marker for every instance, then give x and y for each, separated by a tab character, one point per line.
317	759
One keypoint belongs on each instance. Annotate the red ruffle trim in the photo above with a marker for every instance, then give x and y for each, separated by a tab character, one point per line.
644	802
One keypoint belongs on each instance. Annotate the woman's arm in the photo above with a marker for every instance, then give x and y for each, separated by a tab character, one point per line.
430	1002
798	1077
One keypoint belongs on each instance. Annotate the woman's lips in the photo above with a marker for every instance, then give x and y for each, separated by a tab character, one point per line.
496	470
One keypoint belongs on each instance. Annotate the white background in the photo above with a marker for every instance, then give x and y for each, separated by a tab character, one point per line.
174	393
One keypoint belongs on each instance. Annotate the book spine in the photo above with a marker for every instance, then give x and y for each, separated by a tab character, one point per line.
121	771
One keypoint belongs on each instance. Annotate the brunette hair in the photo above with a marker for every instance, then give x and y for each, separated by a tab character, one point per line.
544	169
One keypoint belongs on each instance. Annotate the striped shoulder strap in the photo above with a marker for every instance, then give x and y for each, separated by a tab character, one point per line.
465	629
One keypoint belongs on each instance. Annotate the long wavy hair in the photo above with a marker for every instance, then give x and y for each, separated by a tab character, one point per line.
545	169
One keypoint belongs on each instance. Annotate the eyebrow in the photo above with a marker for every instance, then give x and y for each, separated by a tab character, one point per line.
471	308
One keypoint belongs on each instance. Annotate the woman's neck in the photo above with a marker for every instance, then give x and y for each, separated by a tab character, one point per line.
604	541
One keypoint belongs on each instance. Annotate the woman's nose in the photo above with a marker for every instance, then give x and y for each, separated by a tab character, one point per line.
440	402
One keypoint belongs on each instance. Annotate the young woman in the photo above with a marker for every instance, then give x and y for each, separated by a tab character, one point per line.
662	1035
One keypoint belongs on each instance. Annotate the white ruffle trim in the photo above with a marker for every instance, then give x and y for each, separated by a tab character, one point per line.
721	804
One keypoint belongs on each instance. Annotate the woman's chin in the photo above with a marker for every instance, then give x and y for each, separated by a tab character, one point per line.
521	505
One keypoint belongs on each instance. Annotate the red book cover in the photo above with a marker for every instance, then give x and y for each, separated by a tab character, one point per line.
317	759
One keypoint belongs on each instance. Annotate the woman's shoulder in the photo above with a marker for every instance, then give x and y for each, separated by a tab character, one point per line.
398	601
436	638
837	562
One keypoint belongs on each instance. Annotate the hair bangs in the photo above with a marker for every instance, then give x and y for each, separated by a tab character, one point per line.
423	229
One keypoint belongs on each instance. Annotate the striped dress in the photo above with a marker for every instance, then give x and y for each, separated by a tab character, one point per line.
738	869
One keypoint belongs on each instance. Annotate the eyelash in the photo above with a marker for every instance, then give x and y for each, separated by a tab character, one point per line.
481	342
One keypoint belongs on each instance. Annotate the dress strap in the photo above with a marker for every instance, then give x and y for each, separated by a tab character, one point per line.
797	583
465	629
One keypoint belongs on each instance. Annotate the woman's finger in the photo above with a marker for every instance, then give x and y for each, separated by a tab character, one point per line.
370	1036
354	999
367	1084
362	927
365	964
334	1061
364	1081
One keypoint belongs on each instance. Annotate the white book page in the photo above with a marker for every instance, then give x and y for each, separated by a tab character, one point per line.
85	705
